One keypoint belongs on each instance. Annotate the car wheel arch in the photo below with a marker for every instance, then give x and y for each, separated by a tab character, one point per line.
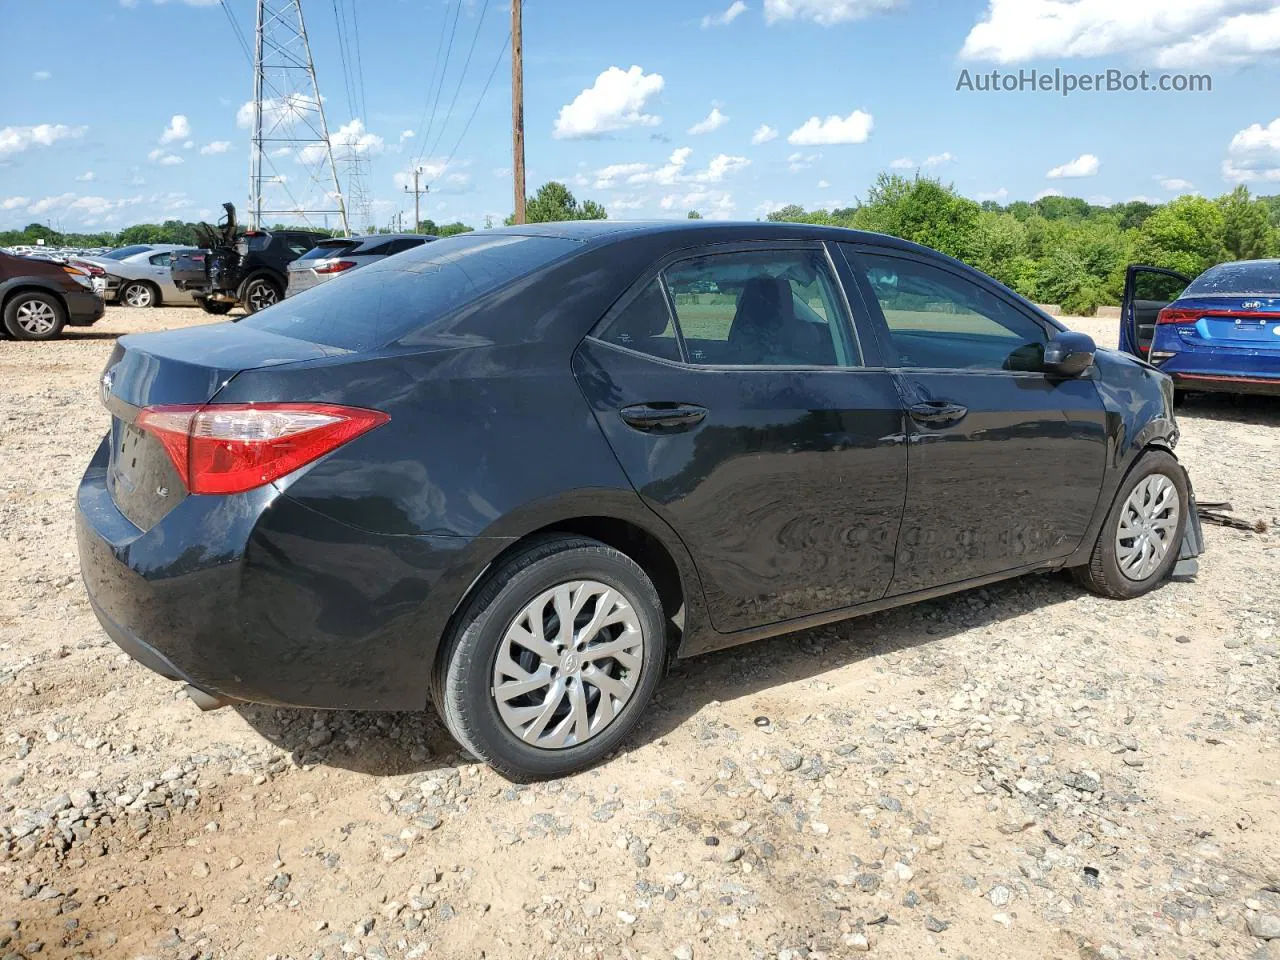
24	286
262	273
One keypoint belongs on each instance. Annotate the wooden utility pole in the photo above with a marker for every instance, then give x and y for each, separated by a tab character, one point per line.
417	219
517	107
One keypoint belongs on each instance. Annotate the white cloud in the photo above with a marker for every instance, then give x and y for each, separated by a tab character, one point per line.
855	128
626	202
1085	165
350	138
158	155
41	75
720	167
937	160
617	100
406	135
1177	34
179	128
607	177
764	133
17	139
714	121
825	12
87	176
668	173
13	203
1254	154
1047	193
725	17
999	196
767	207
713	204
1176	184
822	184
800	161
188	144
217	146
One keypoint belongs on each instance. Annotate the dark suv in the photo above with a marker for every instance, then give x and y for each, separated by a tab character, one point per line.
39	297
249	268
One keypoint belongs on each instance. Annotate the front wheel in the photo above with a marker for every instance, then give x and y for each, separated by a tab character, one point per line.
1142	535
554	660
34	316
259	294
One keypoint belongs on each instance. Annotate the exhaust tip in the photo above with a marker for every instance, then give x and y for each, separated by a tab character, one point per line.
206	701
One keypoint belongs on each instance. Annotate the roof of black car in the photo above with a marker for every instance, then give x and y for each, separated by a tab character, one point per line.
606	230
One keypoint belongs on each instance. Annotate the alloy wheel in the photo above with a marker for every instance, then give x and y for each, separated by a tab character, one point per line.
1148	524
138	295
36	317
568	664
262	295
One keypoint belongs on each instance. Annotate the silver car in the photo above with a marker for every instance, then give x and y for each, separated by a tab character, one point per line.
332	258
138	275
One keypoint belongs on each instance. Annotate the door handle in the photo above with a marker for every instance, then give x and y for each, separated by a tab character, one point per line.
663	416
937	413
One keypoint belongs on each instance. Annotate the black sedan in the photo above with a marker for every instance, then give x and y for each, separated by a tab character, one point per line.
513	472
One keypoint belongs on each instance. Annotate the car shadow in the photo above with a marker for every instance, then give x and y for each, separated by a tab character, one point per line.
393	744
1252	409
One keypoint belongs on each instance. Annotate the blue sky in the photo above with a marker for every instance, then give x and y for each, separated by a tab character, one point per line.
120	111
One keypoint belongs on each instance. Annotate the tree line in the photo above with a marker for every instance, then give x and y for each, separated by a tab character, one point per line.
1061	250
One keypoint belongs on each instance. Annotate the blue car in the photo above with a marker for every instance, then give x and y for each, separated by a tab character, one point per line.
1219	332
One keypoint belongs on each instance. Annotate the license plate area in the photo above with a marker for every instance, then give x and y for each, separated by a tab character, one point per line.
127	453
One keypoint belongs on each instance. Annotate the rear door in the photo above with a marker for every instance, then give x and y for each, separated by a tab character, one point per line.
1147	291
745	411
1005	463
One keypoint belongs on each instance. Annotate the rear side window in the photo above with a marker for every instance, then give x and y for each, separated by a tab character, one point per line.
1256	278
326	250
645	325
399	295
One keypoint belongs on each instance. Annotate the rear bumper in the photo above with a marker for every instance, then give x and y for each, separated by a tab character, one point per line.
1218	383
303	280
84	308
259	598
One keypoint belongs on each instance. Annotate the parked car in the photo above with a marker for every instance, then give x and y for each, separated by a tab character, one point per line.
333	257
139	275
1217	333
513	471
39	297
247	268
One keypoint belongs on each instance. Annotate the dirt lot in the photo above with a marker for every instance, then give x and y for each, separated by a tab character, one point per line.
1018	771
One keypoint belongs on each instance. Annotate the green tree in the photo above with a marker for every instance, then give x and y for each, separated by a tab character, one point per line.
923	210
1247	230
554	202
453	229
428	228
1187	235
694	215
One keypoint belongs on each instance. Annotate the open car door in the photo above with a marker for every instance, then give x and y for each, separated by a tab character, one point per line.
1147	291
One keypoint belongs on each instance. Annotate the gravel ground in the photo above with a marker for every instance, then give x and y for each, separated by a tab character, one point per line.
1019	771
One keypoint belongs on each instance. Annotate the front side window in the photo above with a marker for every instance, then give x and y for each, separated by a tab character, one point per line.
765	308
940	320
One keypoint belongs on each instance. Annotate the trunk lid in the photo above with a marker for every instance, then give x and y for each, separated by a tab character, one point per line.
1248	323
180	366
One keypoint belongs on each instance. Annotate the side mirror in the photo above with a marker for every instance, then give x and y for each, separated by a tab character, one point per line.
1069	354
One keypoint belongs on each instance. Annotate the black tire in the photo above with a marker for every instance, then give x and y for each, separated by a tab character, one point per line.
1102	574
462	683
260	293
19	322
145	295
215	307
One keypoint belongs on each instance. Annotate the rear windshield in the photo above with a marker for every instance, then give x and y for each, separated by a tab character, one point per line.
393	297
331	248
1261	277
123	252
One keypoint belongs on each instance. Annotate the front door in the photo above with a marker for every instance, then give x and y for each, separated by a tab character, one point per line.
1147	291
1005	463
738	400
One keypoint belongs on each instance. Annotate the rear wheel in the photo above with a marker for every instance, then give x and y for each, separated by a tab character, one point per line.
1142	535
260	293
139	294
34	316
216	307
554	659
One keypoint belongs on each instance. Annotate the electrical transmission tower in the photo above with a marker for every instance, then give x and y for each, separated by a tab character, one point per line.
289	125
355	164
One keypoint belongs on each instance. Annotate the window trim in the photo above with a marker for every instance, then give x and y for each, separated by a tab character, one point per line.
656	271
854	251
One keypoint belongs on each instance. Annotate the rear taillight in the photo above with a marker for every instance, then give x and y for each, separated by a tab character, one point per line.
333	266
222	448
1178	315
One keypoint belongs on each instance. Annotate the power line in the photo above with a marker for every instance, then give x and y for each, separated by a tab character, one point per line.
435	65
457	10
476	109
338	19
364	104
244	44
461	77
